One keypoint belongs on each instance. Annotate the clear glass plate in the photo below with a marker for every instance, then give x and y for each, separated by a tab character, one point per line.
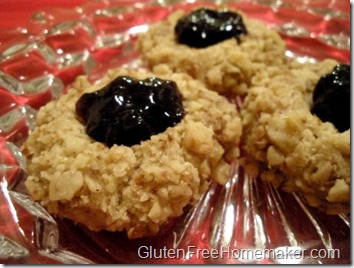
246	221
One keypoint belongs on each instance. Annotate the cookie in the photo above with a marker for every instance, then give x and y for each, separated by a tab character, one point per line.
135	188
288	145
226	66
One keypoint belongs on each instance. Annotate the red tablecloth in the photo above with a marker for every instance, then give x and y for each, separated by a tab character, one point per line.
14	13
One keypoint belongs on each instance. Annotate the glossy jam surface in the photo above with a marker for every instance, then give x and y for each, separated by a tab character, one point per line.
128	111
331	98
205	27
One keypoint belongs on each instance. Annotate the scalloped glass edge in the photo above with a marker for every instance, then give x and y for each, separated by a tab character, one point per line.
59	63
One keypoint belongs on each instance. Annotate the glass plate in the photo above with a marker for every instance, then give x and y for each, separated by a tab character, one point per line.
246	221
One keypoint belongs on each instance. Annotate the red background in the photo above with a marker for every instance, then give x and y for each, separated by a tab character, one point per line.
14	13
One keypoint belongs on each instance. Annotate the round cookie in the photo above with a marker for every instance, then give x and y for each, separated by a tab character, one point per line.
136	188
289	146
225	67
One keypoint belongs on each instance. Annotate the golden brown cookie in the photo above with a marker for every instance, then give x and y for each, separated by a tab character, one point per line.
289	146
226	67
136	188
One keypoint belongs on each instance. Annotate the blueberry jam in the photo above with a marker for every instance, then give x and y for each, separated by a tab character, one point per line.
205	27
331	98
128	111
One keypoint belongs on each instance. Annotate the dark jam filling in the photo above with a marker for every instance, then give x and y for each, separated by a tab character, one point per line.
205	27
128	111
331	98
